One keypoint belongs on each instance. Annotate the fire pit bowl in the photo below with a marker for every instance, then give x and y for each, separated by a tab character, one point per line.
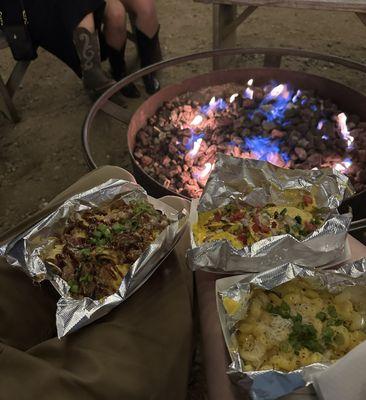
346	99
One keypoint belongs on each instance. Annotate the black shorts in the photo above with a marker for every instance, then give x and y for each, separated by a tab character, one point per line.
52	22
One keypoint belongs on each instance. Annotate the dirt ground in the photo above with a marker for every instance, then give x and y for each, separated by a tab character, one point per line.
42	154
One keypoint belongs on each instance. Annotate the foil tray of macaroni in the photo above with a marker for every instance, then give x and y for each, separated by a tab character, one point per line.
25	252
261	184
271	384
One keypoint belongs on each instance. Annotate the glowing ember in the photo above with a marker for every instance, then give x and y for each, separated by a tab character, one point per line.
342	124
233	97
343	166
197	120
196	146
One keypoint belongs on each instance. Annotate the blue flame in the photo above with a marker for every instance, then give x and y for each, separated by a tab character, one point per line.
193	139
296	97
219	105
205	109
313	107
279	104
325	137
263	147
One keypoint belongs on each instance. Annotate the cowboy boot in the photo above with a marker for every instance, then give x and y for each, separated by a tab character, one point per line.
87	46
150	53
119	71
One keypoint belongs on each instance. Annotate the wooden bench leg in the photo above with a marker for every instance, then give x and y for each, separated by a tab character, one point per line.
225	24
362	17
9	105
223	15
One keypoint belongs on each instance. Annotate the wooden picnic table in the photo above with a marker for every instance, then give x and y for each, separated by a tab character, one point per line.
226	18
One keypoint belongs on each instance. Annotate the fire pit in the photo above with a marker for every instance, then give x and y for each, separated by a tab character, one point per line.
288	118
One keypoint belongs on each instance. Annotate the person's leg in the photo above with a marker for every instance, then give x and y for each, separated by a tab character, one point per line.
87	23
147	34
115	34
115	30
146	17
87	46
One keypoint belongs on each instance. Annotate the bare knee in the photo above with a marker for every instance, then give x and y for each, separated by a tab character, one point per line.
147	9
115	15
141	8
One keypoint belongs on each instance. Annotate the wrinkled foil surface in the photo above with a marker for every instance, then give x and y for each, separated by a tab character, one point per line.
259	183
24	252
271	384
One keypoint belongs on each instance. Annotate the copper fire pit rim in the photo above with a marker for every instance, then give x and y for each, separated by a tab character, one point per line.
279	52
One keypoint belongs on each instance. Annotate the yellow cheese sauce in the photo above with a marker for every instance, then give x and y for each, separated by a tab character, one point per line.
242	224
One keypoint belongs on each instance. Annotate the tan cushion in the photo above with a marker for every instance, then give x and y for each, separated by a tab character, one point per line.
141	350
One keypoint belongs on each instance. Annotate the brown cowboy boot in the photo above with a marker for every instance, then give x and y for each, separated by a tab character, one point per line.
87	46
150	53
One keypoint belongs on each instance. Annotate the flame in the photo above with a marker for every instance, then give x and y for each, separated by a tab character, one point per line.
249	92
343	166
196	146
263	148
320	125
342	125
204	173
193	139
233	97
275	103
214	104
197	120
325	137
277	90
296	97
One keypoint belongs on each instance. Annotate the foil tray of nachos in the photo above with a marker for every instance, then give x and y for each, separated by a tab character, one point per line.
97	249
253	216
285	326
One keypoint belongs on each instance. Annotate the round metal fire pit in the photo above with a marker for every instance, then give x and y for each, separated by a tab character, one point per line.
347	99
